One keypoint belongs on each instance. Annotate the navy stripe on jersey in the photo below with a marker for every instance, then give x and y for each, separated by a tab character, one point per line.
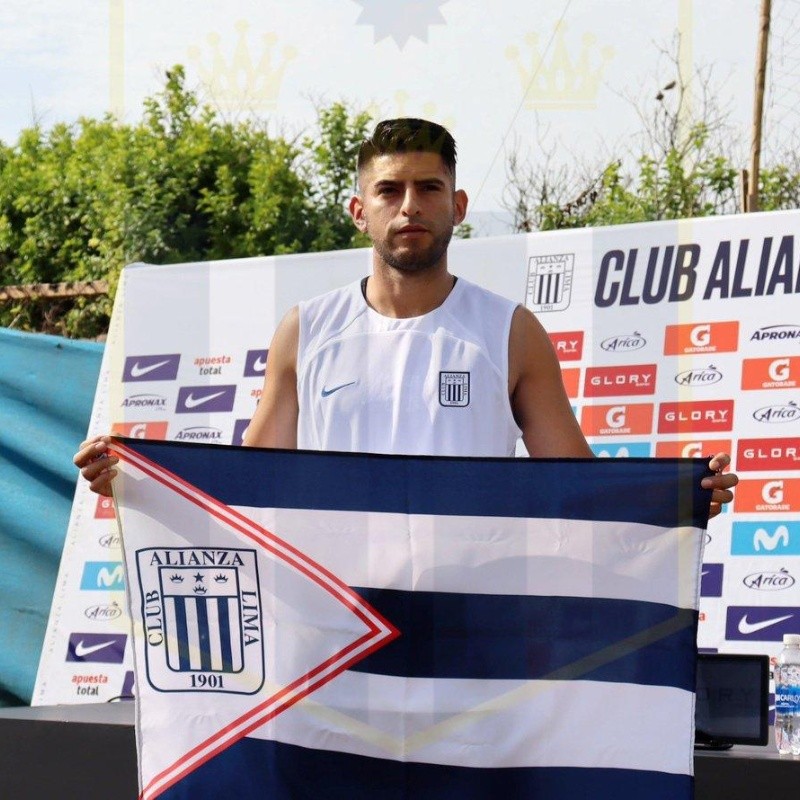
253	769
447	635
553	488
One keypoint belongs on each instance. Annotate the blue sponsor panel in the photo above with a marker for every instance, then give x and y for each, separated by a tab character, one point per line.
761	623
621	449
205	399
163	367
255	363
103	576
239	428
711	580
766	538
96	648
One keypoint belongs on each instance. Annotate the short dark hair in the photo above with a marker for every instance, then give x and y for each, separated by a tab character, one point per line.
409	135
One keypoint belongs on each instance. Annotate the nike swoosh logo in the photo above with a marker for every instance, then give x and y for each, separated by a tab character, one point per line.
328	392
137	371
82	650
192	401
746	627
259	364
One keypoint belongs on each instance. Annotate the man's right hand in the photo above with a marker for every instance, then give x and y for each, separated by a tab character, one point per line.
95	464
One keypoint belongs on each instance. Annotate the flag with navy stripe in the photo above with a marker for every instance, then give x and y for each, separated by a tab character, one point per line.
357	626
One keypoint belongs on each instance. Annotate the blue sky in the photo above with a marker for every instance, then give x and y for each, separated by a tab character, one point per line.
584	63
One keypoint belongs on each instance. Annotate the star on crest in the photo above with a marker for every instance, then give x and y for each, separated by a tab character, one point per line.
401	19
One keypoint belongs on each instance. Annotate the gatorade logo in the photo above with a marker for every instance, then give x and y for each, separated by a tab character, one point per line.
104	508
623	419
695	448
769	495
771	373
571	379
701	337
140	430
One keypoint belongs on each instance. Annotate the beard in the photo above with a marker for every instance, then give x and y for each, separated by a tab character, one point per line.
415	260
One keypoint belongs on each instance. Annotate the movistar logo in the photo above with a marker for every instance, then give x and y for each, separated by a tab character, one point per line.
328	392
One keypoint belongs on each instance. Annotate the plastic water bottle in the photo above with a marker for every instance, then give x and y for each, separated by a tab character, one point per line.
787	696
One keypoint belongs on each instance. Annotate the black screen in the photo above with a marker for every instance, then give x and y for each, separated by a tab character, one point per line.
731	702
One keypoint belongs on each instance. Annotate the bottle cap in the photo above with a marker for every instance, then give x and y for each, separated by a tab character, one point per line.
791	638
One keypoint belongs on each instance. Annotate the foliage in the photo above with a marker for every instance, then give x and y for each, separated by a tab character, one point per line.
78	202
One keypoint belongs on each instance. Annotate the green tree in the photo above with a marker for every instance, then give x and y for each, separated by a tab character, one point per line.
80	201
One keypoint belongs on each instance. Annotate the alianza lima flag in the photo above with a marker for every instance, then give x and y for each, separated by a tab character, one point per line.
346	626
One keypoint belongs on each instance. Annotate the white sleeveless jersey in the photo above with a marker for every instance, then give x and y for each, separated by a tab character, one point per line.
430	385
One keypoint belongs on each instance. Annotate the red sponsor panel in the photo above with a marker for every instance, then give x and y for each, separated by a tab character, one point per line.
693	448
623	419
768	454
767	494
781	372
104	508
701	337
697	416
140	430
632	379
568	345
572	380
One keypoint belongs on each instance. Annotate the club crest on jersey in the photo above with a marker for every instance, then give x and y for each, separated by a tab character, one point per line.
454	388
202	615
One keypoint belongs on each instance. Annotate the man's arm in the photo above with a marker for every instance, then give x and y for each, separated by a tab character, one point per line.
538	399
543	412
274	423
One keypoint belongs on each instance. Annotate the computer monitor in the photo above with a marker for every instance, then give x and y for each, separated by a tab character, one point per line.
732	703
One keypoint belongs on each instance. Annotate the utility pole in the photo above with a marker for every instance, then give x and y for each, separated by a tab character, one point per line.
758	106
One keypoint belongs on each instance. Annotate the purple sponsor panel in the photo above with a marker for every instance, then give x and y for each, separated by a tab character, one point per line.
761	623
255	363
96	648
163	367
127	686
205	399
238	431
711	580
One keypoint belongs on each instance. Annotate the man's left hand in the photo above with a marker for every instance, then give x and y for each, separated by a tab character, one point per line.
721	484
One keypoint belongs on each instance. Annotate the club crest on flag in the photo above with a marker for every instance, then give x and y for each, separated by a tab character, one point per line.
388	626
202	614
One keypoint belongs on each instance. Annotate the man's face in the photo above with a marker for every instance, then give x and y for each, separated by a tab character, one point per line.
408	206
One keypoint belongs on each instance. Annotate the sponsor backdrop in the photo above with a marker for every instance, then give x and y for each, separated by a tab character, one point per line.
675	339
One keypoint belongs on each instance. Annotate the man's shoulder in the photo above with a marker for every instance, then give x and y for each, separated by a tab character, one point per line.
476	295
322	316
331	297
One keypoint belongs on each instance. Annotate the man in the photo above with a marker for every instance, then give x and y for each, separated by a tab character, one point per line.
411	360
